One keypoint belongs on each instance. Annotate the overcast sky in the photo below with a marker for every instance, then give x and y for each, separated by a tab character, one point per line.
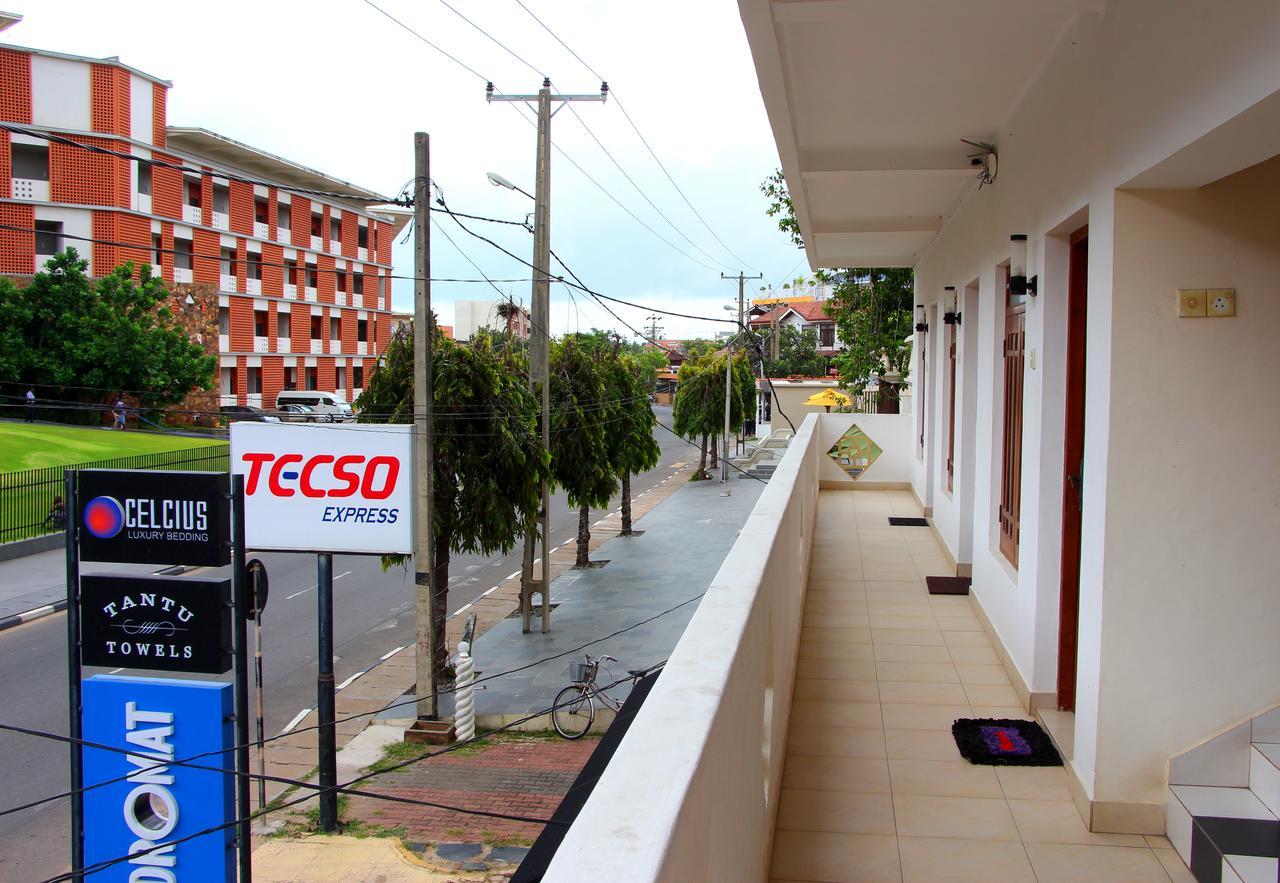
339	87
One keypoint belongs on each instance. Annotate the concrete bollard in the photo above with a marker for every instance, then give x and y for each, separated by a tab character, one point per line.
464	714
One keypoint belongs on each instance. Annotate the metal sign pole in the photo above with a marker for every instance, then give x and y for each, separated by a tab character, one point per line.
73	674
239	640
257	692
325	694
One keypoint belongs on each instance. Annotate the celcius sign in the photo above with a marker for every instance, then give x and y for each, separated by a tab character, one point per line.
337	488
138	802
154	517
181	625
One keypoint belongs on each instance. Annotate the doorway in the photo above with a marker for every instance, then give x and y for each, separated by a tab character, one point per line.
1073	466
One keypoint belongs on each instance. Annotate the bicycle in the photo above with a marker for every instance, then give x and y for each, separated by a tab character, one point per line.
574	710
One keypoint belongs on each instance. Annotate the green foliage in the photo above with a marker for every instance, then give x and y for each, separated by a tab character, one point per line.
633	449
112	334
872	309
781	207
580	450
698	413
797	354
700	349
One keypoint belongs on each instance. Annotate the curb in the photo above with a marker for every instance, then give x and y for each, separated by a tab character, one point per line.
17	619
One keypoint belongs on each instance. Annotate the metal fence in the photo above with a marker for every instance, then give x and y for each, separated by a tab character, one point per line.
31	500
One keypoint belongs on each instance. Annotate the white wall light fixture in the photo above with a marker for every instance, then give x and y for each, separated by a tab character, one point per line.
1019	284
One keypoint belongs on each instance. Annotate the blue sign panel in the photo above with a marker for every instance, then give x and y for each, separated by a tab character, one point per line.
157	721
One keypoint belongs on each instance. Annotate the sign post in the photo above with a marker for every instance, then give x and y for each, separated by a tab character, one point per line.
73	676
239	592
325	698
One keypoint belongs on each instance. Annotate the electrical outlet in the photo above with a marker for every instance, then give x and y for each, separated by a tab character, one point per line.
1191	303
1220	302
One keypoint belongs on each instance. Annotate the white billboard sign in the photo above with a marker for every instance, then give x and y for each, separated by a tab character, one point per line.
326	487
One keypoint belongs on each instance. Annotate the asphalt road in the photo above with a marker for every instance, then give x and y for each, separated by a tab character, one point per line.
373	615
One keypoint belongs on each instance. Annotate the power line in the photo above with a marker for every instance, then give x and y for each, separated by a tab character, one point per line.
447	55
504	47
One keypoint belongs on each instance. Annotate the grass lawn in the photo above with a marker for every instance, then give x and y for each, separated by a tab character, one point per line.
33	445
24	506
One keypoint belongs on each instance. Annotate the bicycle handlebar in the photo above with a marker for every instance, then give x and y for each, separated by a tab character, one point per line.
608	658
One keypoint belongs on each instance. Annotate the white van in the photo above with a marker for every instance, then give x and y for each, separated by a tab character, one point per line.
334	405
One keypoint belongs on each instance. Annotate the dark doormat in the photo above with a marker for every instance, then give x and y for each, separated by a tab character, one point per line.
1004	742
903	521
948	585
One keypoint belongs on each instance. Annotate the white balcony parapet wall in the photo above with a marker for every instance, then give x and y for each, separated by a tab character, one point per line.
191	214
705	752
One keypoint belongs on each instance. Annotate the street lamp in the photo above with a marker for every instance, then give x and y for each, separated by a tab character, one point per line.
498	181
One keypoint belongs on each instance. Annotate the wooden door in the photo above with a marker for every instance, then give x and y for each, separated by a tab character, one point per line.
1073	468
1015	334
951	398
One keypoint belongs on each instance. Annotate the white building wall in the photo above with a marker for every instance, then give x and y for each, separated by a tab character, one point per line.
60	93
141	108
75	222
469	316
1127	88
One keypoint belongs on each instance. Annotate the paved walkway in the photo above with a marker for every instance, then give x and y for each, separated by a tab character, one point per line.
673	562
874	788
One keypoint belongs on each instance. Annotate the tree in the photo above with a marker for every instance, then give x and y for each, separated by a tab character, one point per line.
797	354
94	339
489	463
699	406
580	415
633	449
871	308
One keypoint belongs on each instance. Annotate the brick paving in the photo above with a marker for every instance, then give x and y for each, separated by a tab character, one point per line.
513	775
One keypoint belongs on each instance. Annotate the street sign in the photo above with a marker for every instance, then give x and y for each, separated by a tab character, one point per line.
259	588
155	623
156	722
153	517
326	488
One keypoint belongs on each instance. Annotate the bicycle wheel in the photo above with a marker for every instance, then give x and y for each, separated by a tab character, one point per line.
573	712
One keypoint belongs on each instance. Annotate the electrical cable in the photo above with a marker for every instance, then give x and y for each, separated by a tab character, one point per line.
504	47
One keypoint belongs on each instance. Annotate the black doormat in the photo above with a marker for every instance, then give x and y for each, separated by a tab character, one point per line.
1004	742
902	521
948	585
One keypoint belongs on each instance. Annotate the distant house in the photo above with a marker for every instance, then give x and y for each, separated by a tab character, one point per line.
801	314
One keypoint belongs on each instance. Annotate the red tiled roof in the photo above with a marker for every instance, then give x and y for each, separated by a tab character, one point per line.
810	311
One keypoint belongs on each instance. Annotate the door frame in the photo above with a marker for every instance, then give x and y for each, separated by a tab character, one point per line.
1073	466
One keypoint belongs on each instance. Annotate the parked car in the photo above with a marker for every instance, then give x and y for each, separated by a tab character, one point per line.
320	402
294	413
232	413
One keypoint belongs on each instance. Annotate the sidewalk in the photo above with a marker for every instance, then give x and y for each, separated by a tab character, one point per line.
36	585
674	561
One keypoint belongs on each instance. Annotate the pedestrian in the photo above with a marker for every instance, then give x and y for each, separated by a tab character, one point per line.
120	412
31	406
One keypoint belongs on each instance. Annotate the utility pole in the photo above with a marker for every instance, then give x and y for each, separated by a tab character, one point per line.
423	399
728	379
539	342
654	331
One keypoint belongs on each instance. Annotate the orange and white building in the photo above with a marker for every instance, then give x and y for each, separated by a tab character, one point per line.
283	269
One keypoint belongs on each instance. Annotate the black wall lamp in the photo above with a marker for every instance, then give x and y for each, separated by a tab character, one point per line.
922	326
1019	284
952	316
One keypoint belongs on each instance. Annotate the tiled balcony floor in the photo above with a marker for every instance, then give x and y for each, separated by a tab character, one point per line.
873	787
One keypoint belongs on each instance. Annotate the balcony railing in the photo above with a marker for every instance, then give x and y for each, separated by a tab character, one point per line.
284	234
226	282
716	721
335	345
340	298
224	343
290	291
335	246
253	286
316	244
29	188
317	347
260	345
181	275
284	345
261	230
191	214
309	293
362	348
362	254
220	220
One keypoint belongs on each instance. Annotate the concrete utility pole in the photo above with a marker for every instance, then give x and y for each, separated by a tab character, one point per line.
728	378
423	398
655	331
539	342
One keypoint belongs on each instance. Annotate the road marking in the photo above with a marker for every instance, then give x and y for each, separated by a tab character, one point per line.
462	609
490	592
511	576
115	671
341	575
297	720
384	657
348	682
296	594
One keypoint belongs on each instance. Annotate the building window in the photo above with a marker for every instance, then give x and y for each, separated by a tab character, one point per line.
157	250
290	378
30	161
48	237
1011	447
362	330
357	377
224	321
291	273
342	281
311	277
342	377
228	257
221	199
335	229
261	210
182	254
259	324
357	284
335	328
284	216
284	325
144	178
362	236
253	265
317	328
827	335
311	378
193	193
253	379
317	224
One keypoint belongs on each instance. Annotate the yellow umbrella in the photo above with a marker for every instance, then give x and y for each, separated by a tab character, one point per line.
827	398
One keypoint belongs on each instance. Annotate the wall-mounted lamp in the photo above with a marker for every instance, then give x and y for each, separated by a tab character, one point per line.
951	317
190	301
1019	284
922	326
